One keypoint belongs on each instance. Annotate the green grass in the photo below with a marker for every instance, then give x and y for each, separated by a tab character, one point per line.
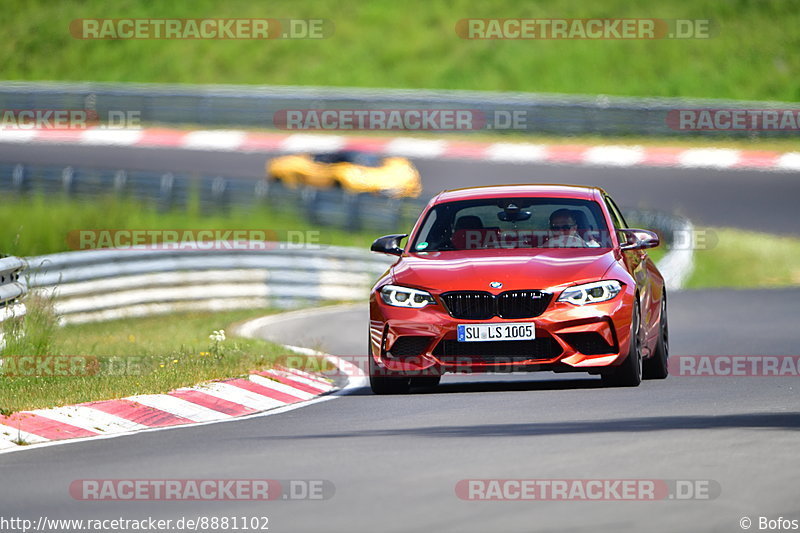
131	356
744	259
41	224
753	53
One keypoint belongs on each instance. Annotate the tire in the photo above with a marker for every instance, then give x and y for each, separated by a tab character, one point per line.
657	366
629	373
427	381
385	384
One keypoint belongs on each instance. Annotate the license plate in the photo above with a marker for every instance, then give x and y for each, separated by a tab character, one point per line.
496	332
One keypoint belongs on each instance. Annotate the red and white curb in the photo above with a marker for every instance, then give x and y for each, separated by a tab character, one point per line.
505	152
262	393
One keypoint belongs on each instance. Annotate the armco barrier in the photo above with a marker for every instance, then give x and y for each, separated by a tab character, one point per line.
12	289
255	106
97	285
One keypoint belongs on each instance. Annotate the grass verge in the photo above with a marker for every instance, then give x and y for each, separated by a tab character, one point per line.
751	53
126	357
41	224
745	259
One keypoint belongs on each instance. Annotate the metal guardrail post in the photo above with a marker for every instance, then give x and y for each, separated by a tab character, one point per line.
68	181
220	194
310	198
19	179
120	182
352	204
166	192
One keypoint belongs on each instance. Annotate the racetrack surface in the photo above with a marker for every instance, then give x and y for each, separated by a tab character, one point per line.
395	460
764	201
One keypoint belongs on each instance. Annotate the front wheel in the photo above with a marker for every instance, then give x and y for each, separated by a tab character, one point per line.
657	367
426	381
629	373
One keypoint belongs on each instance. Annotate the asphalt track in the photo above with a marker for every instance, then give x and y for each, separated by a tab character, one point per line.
395	460
765	201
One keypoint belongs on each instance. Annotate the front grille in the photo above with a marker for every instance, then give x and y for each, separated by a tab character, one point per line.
409	345
453	352
589	343
478	305
470	305
522	304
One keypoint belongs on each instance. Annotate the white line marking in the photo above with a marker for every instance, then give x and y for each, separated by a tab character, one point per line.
280	387
516	152
618	156
119	137
302	142
17	136
214	140
410	147
178	407
300	378
709	157
89	419
11	433
225	391
789	161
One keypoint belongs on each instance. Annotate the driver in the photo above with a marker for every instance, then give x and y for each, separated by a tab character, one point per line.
564	231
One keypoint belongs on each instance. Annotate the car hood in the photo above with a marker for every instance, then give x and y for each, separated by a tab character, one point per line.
517	269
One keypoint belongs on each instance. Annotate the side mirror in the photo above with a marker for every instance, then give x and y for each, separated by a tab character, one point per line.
388	244
638	239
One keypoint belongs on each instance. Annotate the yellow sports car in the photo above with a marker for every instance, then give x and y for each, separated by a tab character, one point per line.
350	170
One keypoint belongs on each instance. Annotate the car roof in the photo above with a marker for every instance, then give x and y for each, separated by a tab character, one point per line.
582	192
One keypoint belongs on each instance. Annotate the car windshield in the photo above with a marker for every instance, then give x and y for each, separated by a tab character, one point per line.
494	223
356	158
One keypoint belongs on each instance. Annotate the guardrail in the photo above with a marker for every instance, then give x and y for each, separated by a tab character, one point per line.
96	285
256	106
12	289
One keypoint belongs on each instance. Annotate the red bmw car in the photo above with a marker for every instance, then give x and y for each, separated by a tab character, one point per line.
518	278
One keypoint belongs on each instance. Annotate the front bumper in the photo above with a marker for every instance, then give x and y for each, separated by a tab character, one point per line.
569	338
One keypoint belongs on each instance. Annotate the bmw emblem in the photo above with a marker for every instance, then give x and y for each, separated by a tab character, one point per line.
495	285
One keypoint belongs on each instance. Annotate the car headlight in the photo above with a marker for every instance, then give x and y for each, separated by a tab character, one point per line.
405	296
590	293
